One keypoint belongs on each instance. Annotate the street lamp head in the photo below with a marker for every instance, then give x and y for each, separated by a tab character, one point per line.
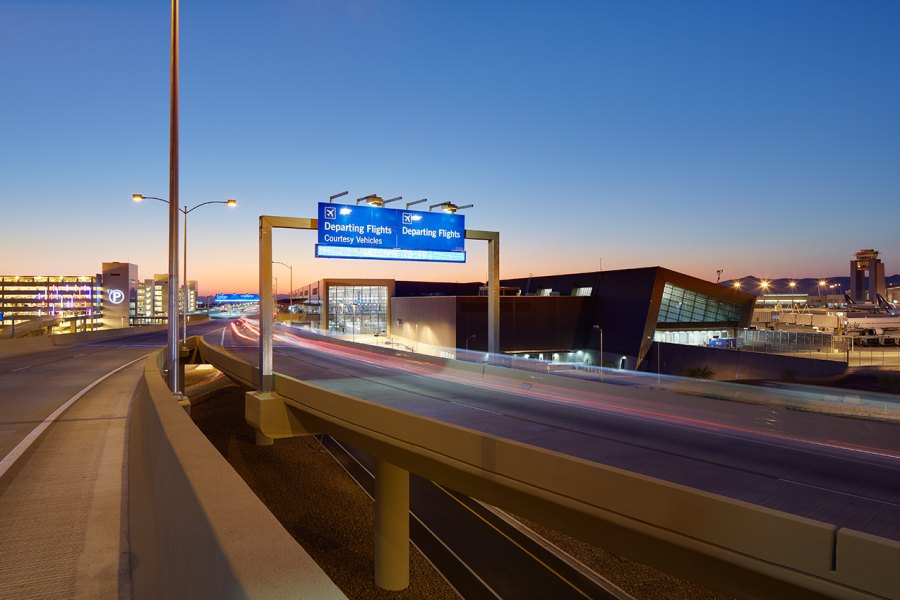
137	197
231	202
737	285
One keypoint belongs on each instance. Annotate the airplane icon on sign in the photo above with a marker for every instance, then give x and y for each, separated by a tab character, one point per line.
330	212
407	219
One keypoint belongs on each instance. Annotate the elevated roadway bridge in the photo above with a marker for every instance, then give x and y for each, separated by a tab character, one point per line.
756	500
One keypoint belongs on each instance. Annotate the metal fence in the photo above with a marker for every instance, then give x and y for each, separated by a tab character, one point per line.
856	351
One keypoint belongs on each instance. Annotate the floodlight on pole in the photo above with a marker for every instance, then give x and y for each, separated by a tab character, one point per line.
414	202
371	199
449	207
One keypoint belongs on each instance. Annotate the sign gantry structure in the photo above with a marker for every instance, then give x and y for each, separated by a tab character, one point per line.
367	232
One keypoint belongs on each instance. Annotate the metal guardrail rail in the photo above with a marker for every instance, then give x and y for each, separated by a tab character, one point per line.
742	549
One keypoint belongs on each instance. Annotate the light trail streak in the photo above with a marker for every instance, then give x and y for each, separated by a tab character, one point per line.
543	391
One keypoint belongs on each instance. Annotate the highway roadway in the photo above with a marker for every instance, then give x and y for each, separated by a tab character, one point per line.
837	470
35	384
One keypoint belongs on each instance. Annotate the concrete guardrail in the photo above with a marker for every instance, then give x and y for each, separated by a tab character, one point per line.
195	529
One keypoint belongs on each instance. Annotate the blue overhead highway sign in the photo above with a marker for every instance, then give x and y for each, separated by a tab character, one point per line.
390	234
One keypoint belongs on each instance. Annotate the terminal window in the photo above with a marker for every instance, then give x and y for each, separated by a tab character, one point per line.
358	309
685	306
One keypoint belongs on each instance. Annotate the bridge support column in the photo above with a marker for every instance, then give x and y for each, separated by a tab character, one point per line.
271	418
391	526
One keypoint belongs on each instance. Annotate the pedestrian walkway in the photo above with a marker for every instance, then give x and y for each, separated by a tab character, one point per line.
63	503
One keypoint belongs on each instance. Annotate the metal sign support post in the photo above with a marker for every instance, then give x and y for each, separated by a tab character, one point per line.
493	240
266	300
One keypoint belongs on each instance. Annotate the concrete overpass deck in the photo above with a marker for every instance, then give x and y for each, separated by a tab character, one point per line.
62	498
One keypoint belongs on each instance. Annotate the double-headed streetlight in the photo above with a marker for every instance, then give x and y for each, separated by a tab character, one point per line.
185	211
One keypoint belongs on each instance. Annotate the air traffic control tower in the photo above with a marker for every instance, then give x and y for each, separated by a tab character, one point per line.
867	261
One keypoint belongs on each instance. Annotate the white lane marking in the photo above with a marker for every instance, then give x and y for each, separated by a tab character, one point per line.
19	369
82	354
833	491
32	437
223	337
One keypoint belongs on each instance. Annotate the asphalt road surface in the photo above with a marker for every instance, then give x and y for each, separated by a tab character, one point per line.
34	385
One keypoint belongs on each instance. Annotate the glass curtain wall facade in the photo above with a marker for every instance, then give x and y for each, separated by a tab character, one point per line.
358	309
685	306
680	309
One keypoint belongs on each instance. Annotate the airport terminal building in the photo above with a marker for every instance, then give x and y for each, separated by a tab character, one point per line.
570	317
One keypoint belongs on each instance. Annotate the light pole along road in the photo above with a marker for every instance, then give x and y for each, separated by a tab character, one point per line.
185	211
290	285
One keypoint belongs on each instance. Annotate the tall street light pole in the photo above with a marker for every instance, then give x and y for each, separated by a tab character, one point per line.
173	374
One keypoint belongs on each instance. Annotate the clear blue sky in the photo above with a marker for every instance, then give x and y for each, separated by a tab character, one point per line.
758	137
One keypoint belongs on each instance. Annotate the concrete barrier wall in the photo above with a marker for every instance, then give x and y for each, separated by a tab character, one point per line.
676	359
196	529
42	342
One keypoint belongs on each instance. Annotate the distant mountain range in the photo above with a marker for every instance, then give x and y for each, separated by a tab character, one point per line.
751	284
